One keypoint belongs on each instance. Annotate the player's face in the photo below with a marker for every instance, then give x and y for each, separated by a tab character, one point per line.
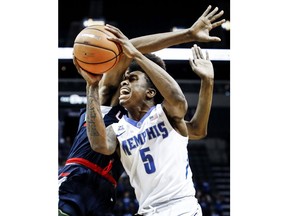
133	89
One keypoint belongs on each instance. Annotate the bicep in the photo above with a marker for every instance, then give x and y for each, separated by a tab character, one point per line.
177	111
176	121
192	132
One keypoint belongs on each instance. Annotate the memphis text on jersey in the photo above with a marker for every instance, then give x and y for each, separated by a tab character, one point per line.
150	133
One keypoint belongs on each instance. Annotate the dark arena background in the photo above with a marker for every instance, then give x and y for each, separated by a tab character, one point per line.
209	157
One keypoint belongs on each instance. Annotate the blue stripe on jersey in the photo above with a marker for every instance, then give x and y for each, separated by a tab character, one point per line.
139	123
187	168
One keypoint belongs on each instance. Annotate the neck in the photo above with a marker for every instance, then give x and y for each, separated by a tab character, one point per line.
137	112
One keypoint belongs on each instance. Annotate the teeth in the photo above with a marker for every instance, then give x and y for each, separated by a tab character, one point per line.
124	91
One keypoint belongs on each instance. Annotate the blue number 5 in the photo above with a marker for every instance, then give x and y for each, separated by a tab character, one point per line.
148	161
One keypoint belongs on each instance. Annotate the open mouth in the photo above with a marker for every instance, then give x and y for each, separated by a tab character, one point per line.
124	91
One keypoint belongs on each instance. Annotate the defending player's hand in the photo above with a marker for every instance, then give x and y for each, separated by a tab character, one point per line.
91	79
200	65
205	23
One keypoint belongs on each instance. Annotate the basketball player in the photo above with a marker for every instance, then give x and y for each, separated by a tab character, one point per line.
152	138
87	182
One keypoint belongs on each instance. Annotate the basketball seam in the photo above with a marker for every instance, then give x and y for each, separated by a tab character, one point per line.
97	47
97	62
89	27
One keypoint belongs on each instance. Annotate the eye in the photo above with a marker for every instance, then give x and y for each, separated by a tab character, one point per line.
132	78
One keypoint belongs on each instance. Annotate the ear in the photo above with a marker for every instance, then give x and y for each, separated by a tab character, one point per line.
150	93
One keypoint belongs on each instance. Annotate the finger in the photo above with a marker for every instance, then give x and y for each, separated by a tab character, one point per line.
75	63
74	59
214	25
213	39
90	77
211	14
194	52
200	53
207	55
215	17
95	77
206	11
192	63
110	26
114	39
112	29
82	71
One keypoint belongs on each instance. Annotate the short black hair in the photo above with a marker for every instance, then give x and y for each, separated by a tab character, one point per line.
134	66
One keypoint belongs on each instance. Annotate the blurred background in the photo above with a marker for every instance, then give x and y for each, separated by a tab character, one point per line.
209	157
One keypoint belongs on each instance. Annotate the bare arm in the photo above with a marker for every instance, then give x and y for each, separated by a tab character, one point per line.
101	141
197	126
199	32
96	129
174	104
174	99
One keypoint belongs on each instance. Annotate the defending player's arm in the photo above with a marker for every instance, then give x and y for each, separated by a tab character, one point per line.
199	31
197	126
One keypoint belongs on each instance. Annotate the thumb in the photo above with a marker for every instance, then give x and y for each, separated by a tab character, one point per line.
214	39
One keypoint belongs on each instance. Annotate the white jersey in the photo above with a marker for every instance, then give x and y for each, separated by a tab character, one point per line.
155	157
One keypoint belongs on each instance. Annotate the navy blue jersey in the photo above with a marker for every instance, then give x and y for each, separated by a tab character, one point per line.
81	146
80	176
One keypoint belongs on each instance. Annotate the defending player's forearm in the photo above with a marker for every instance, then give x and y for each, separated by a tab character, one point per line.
199	31
96	130
155	42
197	127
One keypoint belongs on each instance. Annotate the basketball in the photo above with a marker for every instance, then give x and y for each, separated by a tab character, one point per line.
93	52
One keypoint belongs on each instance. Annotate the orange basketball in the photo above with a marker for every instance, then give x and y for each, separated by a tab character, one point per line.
94	52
